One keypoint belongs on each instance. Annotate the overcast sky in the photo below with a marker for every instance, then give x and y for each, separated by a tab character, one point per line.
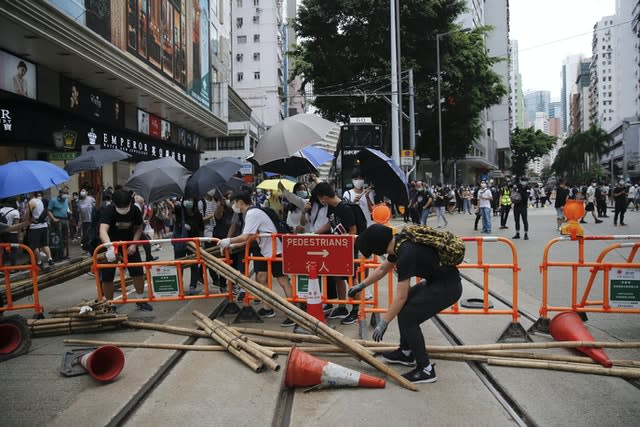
560	27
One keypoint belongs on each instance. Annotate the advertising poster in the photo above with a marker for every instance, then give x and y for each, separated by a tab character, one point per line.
155	126
17	75
143	122
90	102
198	88
154	42
98	16
166	130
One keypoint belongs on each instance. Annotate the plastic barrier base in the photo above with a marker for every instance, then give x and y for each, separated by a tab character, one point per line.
69	367
583	316
514	333
224	308
477	303
248	314
540	326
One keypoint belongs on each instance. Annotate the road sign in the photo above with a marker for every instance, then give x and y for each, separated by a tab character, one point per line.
624	288
333	254
406	157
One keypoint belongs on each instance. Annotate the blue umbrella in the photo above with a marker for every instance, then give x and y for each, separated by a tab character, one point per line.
385	175
27	176
316	155
303	161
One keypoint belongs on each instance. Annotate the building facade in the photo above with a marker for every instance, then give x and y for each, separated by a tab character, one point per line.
537	101
515	83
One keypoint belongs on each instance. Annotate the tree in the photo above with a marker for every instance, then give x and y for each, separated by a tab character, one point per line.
578	158
344	50
527	145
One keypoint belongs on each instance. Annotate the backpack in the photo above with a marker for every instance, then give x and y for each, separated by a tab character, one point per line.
3	217
361	220
281	226
450	247
43	216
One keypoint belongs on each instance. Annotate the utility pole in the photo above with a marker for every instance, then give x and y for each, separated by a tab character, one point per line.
412	118
395	143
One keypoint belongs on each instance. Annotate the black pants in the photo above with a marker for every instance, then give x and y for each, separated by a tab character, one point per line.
620	210
601	205
504	214
425	300
520	210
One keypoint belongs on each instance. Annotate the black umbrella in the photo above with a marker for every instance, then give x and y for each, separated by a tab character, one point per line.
212	175
385	175
94	159
159	179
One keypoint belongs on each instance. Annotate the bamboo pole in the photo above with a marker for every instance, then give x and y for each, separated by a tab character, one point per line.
554	357
157	346
166	328
302	318
270	354
567	367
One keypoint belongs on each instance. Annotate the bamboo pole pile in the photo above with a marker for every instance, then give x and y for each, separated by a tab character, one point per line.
301	318
73	325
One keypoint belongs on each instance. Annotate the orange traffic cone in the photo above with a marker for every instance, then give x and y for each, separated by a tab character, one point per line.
104	363
568	326
314	296
305	370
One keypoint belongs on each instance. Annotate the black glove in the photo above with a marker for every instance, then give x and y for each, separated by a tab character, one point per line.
379	331
355	290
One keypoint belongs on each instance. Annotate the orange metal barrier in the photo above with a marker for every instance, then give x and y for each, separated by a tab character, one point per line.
514	330
180	264
584	305
7	269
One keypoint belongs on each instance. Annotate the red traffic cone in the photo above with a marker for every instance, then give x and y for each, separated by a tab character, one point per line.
104	363
568	326
305	370
314	295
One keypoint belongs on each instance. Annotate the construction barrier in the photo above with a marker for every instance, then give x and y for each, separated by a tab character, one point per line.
514	331
165	279
32	267
583	304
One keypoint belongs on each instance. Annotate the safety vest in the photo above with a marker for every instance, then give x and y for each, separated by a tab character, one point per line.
505	199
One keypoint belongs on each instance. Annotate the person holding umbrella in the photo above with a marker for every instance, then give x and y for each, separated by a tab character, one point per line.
120	221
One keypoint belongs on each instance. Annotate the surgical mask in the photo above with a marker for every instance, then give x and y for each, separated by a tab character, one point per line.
523	182
483	185
39	197
302	194
236	209
621	182
188	204
123	211
358	183
83	194
64	196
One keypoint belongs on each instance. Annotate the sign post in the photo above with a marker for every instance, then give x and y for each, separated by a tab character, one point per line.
332	254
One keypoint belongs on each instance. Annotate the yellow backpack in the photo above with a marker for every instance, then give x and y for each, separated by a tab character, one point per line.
450	247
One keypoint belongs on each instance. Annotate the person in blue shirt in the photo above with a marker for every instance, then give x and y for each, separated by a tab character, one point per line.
59	218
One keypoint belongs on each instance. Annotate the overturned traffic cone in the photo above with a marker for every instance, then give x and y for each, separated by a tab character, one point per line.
14	337
568	326
314	295
305	370
104	363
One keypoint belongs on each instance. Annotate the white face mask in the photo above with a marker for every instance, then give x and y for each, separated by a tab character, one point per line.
236	209
483	185
123	211
83	193
358	183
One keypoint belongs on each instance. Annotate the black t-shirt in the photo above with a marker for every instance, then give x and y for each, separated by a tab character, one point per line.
440	198
121	227
341	218
422	198
415	259
561	197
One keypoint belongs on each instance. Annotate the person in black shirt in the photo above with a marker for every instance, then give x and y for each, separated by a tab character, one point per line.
562	193
439	289
341	221
620	199
189	223
520	205
121	221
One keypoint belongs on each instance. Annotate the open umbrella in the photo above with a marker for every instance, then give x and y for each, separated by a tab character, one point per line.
386	176
301	162
158	179
272	184
94	159
26	176
291	135
212	175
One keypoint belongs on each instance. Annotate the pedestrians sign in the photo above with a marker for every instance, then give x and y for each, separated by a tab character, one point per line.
333	254
164	279
624	288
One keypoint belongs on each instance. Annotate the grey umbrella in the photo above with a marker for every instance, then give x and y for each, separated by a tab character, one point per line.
212	175
287	137
158	179
94	159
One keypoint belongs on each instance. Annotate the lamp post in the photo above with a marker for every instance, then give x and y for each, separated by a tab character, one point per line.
439	80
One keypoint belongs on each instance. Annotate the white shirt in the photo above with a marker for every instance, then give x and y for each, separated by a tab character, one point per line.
12	216
632	192
317	217
351	196
258	222
36	207
591	194
209	208
484	198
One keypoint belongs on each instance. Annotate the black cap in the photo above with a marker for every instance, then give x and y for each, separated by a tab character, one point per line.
122	198
374	239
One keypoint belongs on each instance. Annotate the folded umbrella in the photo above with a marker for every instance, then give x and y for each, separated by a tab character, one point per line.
94	159
159	179
212	175
292	134
26	176
387	177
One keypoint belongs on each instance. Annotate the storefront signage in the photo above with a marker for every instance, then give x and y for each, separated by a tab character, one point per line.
5	119
68	155
91	103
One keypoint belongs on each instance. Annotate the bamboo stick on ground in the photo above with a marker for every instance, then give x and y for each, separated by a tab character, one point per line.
157	346
302	318
270	354
247	359
568	367
166	328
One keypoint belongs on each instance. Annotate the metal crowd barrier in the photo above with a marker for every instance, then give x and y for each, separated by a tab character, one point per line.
621	302
32	267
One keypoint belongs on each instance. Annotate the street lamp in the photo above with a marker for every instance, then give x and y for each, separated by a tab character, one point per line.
438	36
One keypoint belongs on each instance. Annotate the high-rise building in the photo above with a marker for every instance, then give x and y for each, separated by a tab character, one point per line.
603	74
581	99
627	59
536	102
515	82
569	73
258	47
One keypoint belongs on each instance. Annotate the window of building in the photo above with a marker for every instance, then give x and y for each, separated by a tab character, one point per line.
256	56
256	2
256	38
256	75
239	22
239	3
256	19
240	76
233	143
239	57
242	39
